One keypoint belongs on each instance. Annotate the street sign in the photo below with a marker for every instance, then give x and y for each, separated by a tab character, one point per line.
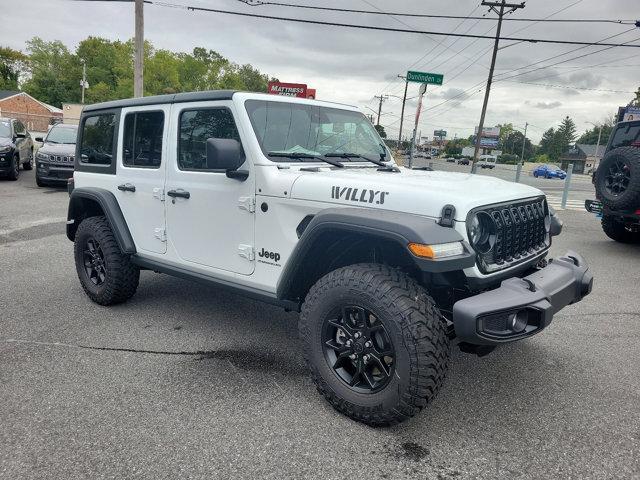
423	77
440	133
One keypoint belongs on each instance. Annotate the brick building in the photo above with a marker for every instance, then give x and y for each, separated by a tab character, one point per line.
36	115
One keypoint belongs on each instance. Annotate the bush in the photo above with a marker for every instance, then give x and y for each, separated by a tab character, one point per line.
508	159
544	158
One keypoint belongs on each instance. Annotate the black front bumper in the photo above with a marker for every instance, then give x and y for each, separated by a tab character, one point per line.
50	172
522	307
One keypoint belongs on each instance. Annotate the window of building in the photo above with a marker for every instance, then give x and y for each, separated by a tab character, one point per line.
142	146
196	127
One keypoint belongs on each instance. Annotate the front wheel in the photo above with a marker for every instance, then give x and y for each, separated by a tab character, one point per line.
618	231
106	274
375	343
14	172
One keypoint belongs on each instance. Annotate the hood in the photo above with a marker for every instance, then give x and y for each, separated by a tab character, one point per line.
58	148
411	191
5	141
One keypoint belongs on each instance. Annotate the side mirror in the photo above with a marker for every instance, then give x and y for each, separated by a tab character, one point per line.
39	139
21	135
226	154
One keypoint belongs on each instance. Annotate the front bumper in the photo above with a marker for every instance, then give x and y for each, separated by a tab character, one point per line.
51	172
522	307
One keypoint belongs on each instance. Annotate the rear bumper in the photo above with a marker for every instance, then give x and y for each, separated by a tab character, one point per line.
522	307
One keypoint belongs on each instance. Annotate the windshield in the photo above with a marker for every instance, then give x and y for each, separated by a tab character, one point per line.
293	128
62	135
5	128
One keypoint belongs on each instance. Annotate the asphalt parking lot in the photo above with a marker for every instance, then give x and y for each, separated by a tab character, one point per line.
188	381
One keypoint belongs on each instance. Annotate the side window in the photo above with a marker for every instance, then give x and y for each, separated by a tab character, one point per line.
196	126
18	127
143	139
98	134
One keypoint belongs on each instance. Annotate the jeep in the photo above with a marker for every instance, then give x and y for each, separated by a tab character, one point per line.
299	203
617	183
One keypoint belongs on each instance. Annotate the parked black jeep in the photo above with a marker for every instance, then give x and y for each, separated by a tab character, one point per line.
617	183
16	148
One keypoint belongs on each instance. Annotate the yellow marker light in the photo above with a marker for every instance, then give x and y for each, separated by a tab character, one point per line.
439	250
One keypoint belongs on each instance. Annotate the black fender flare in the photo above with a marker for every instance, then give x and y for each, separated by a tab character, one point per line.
111	210
402	228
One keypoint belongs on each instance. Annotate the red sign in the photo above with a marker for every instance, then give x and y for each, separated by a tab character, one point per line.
288	89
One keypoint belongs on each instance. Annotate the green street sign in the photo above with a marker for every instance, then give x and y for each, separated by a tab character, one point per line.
423	77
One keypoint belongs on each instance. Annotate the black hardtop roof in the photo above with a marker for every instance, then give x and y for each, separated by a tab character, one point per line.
163	99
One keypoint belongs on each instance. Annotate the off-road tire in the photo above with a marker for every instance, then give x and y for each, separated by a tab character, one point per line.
616	230
14	173
630	198
416	328
122	276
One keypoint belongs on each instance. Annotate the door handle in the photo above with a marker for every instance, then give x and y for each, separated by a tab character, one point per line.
127	187
179	193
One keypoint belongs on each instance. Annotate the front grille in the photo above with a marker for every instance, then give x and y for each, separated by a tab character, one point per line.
520	233
67	159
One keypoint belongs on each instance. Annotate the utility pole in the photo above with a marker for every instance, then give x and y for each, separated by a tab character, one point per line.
423	89
84	78
499	9
404	100
524	140
598	144
138	66
382	99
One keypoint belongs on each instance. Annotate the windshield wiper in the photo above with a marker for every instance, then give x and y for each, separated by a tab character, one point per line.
385	166
293	155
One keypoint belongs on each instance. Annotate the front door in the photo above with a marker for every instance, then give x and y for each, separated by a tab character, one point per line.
141	174
209	219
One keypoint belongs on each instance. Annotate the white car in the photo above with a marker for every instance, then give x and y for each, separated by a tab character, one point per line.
487	161
298	203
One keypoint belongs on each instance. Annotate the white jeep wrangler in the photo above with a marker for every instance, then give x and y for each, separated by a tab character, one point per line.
300	204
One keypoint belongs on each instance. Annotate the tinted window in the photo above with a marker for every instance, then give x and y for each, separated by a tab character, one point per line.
196	126
626	136
19	127
98	133
5	128
143	139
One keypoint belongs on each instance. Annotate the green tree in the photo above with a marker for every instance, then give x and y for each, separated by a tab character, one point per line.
13	64
381	131
455	146
566	135
590	137
636	100
512	145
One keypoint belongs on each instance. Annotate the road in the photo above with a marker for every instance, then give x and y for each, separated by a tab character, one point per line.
188	381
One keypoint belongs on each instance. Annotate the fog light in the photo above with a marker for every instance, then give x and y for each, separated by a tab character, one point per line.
439	250
518	321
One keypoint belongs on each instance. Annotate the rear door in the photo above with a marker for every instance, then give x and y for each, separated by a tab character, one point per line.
141	168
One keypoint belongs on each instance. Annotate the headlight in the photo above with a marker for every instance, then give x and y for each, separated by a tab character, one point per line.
481	232
42	156
5	149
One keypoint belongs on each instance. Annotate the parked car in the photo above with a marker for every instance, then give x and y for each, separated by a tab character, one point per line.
617	183
463	161
386	265
450	160
55	159
549	171
16	148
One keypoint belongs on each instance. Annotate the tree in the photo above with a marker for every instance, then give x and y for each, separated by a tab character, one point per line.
454	147
13	64
590	137
505	131
636	100
513	145
381	131
566	134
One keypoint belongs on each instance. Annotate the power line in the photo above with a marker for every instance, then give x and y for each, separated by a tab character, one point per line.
376	28
257	3
570	87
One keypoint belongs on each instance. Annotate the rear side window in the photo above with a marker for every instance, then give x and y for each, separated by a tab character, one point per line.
142	146
196	126
98	134
626	136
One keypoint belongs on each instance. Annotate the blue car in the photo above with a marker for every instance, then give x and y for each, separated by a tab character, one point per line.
549	171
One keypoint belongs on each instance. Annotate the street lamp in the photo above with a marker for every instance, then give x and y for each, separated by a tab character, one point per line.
597	144
83	83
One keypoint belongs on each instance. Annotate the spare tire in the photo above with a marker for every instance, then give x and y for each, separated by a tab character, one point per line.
618	178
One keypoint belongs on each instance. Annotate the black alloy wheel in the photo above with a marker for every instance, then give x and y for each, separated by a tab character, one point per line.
358	348
94	264
617	177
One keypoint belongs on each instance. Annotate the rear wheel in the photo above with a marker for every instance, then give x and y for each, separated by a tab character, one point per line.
619	231
28	165
375	343
618	178
106	274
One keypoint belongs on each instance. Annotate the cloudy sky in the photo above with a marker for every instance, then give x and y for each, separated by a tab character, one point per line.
352	65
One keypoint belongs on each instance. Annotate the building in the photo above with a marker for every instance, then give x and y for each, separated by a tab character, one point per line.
36	115
584	157
71	112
